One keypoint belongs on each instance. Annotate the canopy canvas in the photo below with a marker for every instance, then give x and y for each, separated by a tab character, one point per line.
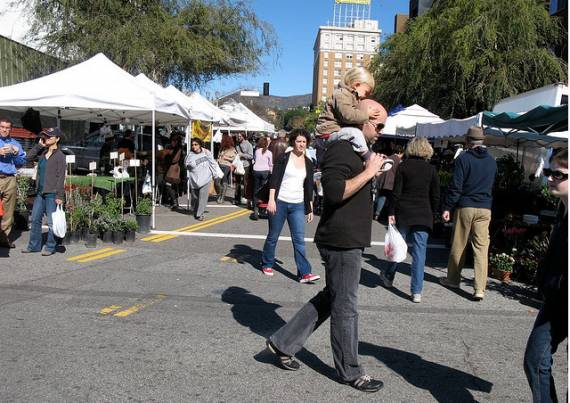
541	120
405	121
242	118
96	90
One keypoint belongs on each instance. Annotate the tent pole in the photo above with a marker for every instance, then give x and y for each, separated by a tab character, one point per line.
188	139
212	138
153	219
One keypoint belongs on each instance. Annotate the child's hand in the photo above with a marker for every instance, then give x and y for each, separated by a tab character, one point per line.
374	113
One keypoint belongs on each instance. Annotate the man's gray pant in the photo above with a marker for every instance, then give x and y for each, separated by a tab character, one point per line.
339	301
200	199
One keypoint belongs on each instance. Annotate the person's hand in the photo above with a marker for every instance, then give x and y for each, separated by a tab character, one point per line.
374	113
42	142
15	149
446	216
374	164
309	217
58	201
5	150
392	220
271	207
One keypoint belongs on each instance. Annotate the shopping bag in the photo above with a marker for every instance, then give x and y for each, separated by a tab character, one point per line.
219	172
147	185
395	247
240	169
59	225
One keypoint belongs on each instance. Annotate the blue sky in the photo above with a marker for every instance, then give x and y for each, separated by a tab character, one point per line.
296	23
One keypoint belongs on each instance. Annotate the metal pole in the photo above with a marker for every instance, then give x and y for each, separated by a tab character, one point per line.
153	167
188	140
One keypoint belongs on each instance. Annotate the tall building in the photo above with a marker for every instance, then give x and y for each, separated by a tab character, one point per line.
350	41
400	23
419	7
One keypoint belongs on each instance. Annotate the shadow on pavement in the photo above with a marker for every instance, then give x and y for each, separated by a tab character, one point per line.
261	318
445	384
246	254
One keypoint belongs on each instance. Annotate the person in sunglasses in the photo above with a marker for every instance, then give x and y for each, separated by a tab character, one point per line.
551	325
470	194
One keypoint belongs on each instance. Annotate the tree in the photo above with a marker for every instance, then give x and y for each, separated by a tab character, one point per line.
185	42
298	117
464	55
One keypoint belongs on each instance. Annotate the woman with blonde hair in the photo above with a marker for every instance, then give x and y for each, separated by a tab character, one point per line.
415	202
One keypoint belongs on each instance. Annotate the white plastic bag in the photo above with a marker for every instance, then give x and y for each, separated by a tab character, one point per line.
395	247
219	172
59	225
147	185
240	169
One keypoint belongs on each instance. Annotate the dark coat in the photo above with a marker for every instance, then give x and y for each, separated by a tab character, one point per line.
55	170
277	177
386	180
415	199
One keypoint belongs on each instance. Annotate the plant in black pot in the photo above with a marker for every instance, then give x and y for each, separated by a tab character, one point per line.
143	214
131	227
117	226
78	222
22	214
92	210
103	223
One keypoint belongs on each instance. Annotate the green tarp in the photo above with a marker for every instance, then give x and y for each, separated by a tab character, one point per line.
101	182
543	119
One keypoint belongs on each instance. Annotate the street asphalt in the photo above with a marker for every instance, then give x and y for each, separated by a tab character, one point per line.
184	319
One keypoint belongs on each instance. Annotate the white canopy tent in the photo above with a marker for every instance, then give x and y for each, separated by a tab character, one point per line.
405	121
96	90
243	119
447	128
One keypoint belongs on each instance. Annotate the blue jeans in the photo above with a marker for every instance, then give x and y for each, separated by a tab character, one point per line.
44	204
419	237
379	205
550	329
294	213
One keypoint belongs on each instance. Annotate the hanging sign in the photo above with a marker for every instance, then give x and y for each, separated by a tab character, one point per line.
92	166
70	159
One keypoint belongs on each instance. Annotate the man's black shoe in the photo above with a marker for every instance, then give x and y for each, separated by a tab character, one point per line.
365	384
286	361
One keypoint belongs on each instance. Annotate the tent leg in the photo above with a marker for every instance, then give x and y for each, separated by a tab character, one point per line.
153	165
188	139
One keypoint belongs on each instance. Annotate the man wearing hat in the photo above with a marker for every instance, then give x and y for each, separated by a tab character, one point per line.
12	156
470	194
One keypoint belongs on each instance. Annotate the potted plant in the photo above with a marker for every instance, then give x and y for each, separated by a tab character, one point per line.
131	227
103	223
502	264
91	235
143	213
117	226
78	222
22	214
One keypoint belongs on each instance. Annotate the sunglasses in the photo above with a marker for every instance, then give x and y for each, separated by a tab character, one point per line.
377	126
558	175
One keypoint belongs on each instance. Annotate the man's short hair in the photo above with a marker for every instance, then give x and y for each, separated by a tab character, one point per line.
6	120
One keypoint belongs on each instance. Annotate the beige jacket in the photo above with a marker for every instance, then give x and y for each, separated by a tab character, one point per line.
341	110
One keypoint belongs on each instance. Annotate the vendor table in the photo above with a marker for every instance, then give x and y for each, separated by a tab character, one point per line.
101	182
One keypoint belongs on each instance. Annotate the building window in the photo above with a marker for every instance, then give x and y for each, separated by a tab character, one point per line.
336	73
337	64
336	82
338	55
348	65
348	57
325	72
360	57
326	55
324	90
325	81
326	63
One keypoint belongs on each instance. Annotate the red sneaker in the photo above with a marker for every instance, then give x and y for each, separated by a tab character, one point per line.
309	278
268	271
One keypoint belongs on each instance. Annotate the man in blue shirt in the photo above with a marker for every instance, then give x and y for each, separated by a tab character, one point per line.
12	155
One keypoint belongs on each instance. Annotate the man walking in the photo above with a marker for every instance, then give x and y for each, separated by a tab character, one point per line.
245	152
12	155
470	192
343	232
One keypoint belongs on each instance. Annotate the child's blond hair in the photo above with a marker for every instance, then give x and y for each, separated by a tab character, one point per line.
358	74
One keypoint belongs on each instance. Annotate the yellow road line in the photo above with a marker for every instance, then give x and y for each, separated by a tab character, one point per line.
102	255
202	226
205	224
84	255
108	309
139	306
154	237
230	259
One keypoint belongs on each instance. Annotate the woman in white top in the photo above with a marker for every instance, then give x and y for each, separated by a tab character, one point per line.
291	199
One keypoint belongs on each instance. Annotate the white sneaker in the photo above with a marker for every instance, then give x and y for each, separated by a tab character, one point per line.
386	282
417	298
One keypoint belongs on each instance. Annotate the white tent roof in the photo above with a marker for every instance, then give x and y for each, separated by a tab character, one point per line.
96	90
447	128
242	118
408	118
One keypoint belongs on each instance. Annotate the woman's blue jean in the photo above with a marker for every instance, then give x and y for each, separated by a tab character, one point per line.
419	238
550	329
294	213
44	204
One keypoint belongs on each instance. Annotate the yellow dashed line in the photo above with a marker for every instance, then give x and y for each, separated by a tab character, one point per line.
102	255
85	255
229	259
137	307
196	227
189	227
108	309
